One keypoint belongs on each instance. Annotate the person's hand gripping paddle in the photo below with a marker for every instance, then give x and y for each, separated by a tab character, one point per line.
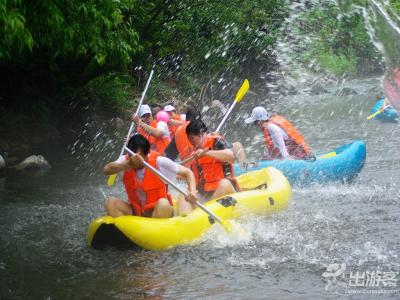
111	178
239	96
224	224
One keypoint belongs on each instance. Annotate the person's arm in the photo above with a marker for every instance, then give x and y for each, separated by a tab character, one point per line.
188	175
173	122
122	164
157	132
220	152
278	139
172	170
225	156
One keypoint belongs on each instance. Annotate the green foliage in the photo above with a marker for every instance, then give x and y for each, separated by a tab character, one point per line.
108	92
53	50
339	45
13	33
338	64
203	38
92	30
395	4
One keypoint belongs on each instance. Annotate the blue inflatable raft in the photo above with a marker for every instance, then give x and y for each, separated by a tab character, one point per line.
388	115
340	165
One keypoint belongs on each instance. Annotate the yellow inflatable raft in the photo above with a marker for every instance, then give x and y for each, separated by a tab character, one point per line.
267	191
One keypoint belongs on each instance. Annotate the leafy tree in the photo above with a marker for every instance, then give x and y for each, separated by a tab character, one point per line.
338	45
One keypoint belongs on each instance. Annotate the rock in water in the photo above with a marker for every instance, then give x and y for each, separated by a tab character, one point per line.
2	163
346	92
118	122
33	162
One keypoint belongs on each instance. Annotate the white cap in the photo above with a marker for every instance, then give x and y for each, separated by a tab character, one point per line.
259	113
144	109
169	108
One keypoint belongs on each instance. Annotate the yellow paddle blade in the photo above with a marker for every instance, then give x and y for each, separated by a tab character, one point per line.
111	179
374	114
327	155
242	91
377	112
227	226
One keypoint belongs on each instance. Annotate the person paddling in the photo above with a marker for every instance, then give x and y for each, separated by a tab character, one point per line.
282	139
175	120
212	168
182	148
156	132
147	194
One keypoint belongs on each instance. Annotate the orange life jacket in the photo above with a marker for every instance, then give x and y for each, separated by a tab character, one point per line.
174	128
183	145
295	145
151	185
157	143
209	171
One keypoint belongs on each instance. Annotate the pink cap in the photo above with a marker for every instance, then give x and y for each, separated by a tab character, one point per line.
162	116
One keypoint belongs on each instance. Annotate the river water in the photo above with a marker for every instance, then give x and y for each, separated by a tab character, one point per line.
44	220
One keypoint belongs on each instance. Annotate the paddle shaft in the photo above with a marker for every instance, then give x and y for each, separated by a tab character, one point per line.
378	112
137	110
226	116
239	96
192	157
183	192
218	128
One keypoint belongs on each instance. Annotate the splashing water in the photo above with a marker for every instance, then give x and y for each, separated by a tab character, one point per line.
383	25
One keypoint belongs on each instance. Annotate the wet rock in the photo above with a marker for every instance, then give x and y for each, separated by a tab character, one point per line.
2	162
216	104
286	89
317	89
377	92
346	92
118	122
33	162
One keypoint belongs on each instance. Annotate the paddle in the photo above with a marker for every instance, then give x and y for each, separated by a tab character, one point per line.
239	96
111	178
378	112
184	193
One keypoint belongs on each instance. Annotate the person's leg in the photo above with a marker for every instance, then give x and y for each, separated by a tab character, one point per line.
225	187
163	209
116	207
184	207
239	153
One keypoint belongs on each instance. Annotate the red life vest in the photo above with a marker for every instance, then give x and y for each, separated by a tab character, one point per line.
151	185
183	145
174	128
208	171
157	143
295	145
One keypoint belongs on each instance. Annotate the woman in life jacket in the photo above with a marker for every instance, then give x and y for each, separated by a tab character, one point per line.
156	132
213	168
282	139
175	120
181	148
147	194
